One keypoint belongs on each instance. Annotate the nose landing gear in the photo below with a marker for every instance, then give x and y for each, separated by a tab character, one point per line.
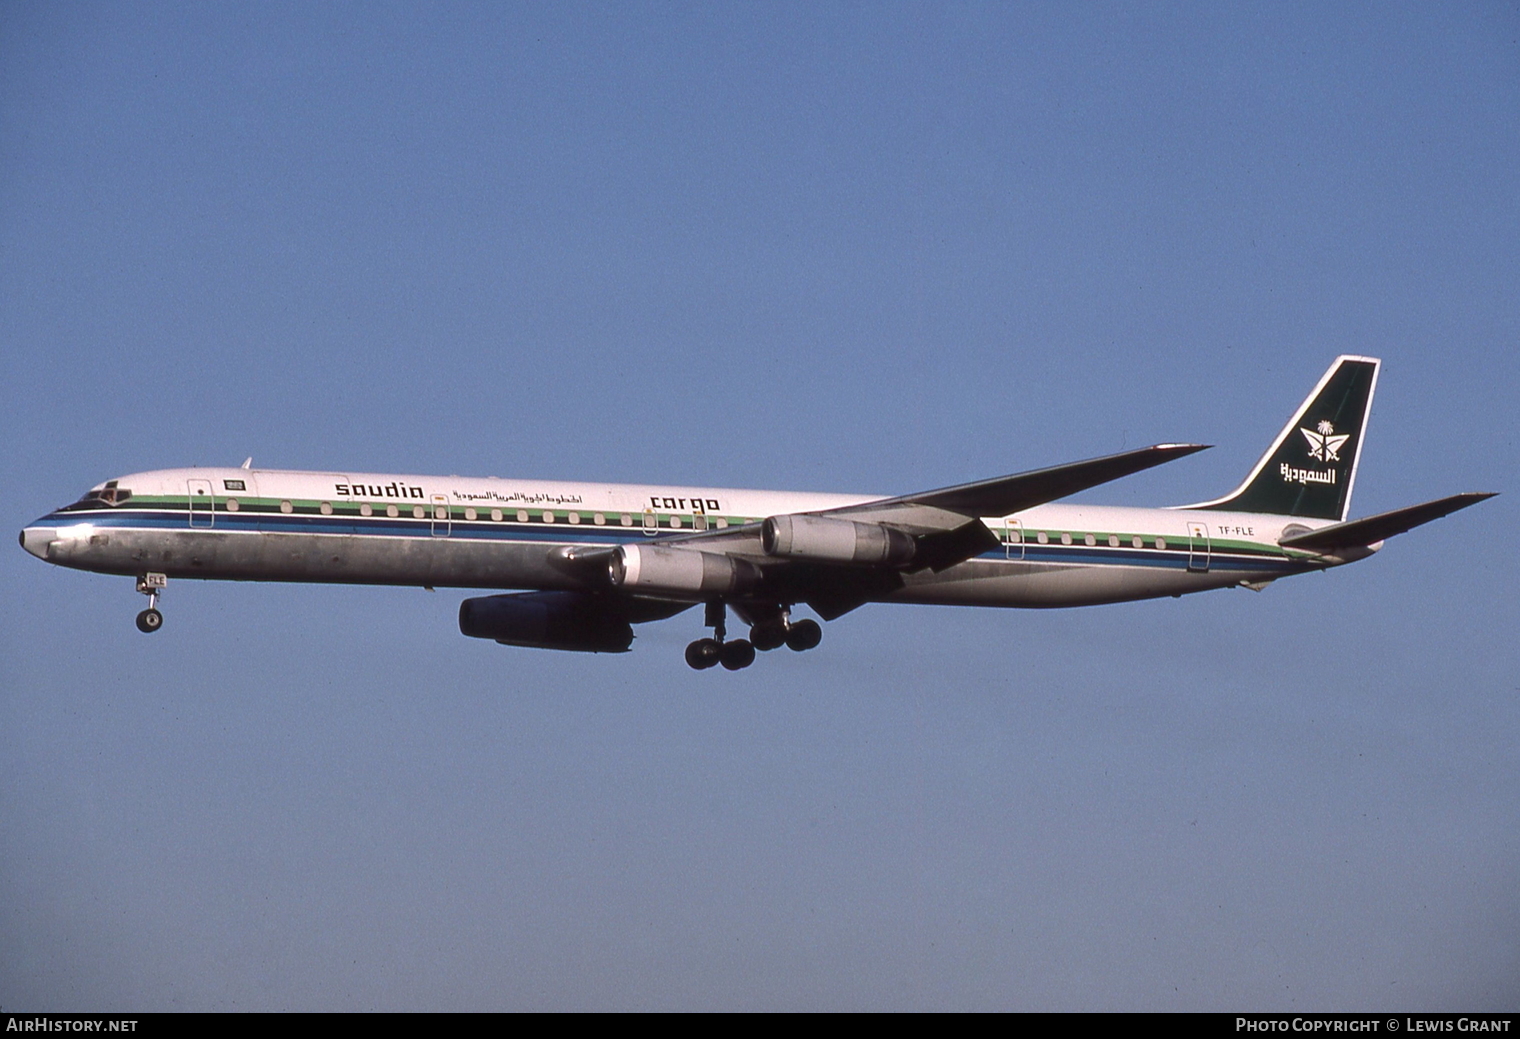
150	620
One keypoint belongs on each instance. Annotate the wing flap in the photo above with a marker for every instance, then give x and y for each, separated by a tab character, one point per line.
943	549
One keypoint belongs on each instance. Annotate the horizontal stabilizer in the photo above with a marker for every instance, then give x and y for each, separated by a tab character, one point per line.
1005	495
1363	532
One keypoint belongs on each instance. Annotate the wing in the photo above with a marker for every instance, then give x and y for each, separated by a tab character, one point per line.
837	559
1005	495
933	515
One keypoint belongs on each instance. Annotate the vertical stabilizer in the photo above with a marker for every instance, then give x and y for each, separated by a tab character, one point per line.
1311	466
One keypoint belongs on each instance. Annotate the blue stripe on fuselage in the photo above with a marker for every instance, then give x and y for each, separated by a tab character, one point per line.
568	533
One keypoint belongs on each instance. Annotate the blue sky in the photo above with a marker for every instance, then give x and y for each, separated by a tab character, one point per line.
814	247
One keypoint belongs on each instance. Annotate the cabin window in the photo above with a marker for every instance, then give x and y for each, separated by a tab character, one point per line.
1042	537
496	515
1161	543
599	519
232	505
626	520
1065	539
286	507
325	508
574	517
1113	541
1137	541
469	514
1090	540
548	515
720	523
366	509
392	511
418	512
675	523
441	512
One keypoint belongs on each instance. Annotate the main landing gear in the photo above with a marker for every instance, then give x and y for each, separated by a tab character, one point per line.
768	633
150	620
704	653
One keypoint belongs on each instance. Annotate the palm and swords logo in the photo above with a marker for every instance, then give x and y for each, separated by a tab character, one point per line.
1324	442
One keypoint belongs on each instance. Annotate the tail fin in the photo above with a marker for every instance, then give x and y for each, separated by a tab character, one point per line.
1311	466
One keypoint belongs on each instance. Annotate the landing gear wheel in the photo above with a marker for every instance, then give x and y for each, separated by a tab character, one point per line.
703	653
151	584
804	635
739	653
767	637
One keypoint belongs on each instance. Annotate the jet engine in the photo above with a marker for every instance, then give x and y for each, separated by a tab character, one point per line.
547	620
680	571
836	540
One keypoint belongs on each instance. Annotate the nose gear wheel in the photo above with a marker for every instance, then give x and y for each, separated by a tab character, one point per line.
150	620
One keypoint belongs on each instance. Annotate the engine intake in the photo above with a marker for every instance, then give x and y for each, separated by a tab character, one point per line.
547	620
836	540
682	571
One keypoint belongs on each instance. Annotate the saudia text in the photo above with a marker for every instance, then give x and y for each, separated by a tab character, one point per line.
1293	475
390	490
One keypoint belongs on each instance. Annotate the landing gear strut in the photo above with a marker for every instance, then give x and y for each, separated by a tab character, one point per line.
150	620
704	653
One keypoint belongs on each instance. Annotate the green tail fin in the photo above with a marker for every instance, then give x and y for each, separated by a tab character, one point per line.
1311	466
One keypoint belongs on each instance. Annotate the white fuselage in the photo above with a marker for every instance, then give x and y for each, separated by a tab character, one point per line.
366	528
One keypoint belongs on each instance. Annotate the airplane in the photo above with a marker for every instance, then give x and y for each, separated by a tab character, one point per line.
589	561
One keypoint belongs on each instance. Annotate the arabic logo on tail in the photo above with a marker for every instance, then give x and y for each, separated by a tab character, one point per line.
1324	442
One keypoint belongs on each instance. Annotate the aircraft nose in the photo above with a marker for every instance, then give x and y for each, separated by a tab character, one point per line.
36	540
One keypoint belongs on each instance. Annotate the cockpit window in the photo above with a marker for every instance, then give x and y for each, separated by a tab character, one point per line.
110	494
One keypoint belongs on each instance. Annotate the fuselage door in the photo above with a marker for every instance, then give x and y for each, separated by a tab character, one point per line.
439	515
1198	547
1013	538
202	504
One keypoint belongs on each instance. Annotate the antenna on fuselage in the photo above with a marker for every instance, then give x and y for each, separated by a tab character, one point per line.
247	463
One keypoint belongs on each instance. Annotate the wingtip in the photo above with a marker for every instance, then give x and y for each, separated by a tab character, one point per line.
1182	449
